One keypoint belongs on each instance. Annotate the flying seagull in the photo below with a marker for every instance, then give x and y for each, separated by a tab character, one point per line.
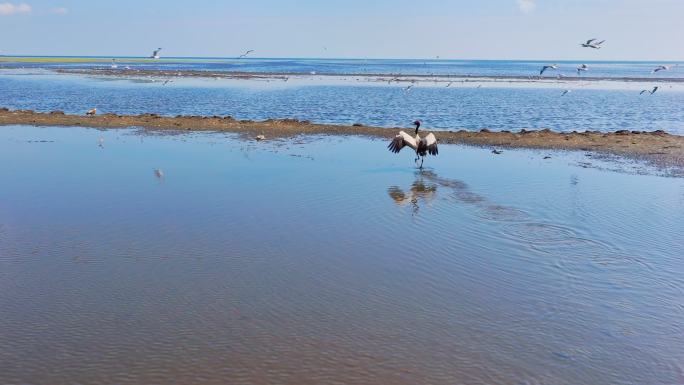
566	92
548	67
653	91
582	68
592	43
245	54
155	54
661	68
422	146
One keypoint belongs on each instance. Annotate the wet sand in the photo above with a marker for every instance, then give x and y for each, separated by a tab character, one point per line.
379	77
656	147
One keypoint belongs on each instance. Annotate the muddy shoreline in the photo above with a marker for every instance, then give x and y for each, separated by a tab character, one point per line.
381	77
657	147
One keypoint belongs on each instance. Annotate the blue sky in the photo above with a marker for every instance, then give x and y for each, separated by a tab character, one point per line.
458	29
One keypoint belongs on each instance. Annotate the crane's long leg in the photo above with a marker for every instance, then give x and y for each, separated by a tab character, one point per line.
422	158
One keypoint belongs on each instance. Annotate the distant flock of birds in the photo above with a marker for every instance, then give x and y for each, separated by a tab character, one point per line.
595	44
421	146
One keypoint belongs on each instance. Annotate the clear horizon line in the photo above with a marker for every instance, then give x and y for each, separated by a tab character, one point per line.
6	55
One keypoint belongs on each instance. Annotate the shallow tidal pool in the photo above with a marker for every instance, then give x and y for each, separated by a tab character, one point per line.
131	257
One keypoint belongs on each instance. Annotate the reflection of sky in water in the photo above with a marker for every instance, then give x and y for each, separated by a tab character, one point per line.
496	106
293	258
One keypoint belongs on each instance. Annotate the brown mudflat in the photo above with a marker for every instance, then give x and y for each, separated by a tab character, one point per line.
657	147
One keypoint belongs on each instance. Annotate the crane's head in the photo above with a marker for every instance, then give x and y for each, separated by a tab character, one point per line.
417	124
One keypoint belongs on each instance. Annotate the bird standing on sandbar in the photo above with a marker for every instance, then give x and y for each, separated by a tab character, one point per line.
422	146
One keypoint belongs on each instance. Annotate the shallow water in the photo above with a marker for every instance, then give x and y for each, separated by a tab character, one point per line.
607	69
496	105
330	261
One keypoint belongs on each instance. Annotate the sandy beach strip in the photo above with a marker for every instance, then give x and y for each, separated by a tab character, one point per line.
656	147
382	77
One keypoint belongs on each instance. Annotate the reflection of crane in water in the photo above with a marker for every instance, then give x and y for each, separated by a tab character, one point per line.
419	191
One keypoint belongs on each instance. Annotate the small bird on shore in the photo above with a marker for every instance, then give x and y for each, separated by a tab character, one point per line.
155	54
582	68
91	112
114	65
244	55
261	137
422	146
592	43
653	91
548	67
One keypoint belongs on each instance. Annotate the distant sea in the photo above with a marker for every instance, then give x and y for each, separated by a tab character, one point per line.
495	105
618	69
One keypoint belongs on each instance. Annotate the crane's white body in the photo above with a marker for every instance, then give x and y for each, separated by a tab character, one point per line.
422	146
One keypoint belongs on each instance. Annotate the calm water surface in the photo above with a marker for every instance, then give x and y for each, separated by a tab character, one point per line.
330	261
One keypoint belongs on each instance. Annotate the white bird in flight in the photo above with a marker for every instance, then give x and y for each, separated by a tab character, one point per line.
548	67
661	68
592	43
653	91
566	92
245	54
155	54
158	173
422	146
582	68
